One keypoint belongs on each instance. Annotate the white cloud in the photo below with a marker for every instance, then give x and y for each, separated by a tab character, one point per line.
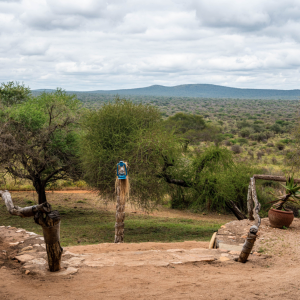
97	44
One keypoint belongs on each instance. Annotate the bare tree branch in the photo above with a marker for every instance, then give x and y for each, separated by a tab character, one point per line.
28	211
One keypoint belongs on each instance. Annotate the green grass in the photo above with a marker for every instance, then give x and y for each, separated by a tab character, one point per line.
90	226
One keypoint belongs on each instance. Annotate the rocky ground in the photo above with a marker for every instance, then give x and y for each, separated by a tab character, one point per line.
185	270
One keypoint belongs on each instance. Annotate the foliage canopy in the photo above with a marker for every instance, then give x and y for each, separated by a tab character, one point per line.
38	139
122	130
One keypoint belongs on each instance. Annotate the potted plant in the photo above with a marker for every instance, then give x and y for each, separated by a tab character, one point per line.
278	215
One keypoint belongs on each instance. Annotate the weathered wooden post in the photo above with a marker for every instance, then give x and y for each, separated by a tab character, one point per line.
122	188
49	220
249	243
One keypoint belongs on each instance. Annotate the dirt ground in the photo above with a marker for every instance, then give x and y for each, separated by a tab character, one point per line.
273	275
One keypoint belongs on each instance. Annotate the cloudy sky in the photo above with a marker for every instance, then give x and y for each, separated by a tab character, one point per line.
97	44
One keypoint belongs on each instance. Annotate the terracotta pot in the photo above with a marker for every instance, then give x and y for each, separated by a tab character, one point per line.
280	218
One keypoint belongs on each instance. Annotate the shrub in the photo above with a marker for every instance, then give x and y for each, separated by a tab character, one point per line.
270	144
242	141
245	132
259	154
236	149
250	153
280	146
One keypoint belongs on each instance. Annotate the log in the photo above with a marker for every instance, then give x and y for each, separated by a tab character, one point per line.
251	238
250	203
235	210
248	245
212	241
50	222
274	178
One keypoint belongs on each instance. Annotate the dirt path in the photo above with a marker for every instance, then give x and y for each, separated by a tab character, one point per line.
269	277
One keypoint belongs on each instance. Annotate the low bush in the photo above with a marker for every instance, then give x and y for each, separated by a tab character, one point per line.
280	146
236	149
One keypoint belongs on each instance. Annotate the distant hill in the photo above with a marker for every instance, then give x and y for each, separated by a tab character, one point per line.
200	91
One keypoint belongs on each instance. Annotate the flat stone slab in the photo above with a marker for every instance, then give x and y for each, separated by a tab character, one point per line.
151	257
24	258
230	247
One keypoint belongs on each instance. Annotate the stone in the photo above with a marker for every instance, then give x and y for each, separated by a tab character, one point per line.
230	247
27	248
31	233
74	261
38	261
223	226
27	272
224	254
14	244
222	259
223	250
20	230
256	253
24	258
3	268
68	253
62	272
234	252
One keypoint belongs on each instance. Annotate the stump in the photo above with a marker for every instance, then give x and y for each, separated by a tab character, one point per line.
50	222
51	230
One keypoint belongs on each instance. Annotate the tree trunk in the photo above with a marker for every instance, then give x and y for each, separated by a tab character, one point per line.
235	210
40	189
51	230
50	222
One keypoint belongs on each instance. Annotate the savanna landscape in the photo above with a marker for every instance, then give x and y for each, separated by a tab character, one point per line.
189	163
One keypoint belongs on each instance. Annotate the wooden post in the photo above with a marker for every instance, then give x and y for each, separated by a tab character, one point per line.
251	238
248	245
122	190
50	222
250	203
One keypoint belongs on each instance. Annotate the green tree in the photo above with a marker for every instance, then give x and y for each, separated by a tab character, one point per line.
186	126
39	138
13	93
122	130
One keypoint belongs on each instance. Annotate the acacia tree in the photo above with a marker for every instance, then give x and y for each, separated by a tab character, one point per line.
38	139
122	130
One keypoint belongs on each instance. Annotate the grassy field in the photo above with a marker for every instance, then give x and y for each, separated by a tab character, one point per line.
85	221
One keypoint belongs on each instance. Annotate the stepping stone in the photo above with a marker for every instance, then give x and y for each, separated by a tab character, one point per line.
24	258
223	258
230	247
